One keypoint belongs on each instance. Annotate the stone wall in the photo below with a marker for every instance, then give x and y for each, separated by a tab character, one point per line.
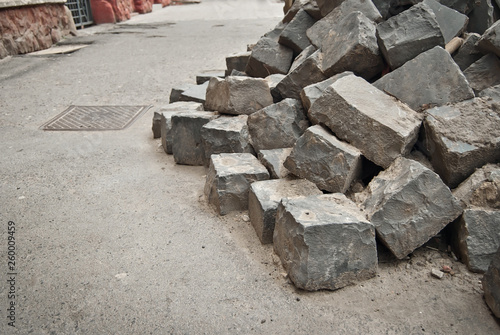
31	28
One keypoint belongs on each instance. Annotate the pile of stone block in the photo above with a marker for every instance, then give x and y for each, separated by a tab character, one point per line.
354	123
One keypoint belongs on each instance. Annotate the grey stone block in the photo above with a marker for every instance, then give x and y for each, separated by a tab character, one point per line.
352	46
491	93
324	242
430	79
491	285
226	134
264	198
481	17
175	92
326	6
238	95
274	34
312	92
320	30
269	57
462	6
228	180
205	76
294	34
306	73
460	138
326	161
237	61
490	41
406	35
273	160
478	237
156	125
451	22
278	125
408	204
186	136
481	189
196	93
483	73
310	6
302	57
468	52
378	125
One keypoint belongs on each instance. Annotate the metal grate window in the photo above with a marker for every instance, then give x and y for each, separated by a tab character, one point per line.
80	9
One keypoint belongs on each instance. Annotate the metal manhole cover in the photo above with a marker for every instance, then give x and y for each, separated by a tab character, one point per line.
95	118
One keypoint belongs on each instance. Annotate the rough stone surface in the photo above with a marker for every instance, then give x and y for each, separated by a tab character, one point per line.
305	54
451	22
320	30
462	6
490	41
186	136
312	92
237	61
326	161
310	6
491	93
264	198
238	95
430	79
478	237
408	204
481	189
381	127
176	92
228	180
306	73
326	6
483	73
481	17
269	57
406	35
195	93
32	28
278	125
324	242
352	46
460	138
226	134
294	35
491	285
468	52
206	76
273	160
156	125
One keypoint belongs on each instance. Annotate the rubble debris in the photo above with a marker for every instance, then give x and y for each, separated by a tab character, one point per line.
195	93
237	61
269	57
408	204
481	17
294	34
186	136
176	91
326	161
264	198
468	52
238	95
324	242
491	285
228	180
226	134
273	160
311	93
484	73
451	22
490	41
431	78
205	76
381	127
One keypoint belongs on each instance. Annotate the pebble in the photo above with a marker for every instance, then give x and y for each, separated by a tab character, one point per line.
437	273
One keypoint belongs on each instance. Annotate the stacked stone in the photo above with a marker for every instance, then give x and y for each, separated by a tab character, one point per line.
385	106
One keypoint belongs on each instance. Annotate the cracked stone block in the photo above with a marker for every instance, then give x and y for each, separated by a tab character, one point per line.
484	73
430	79
324	242
461	137
408	204
352	46
451	22
186	136
478	237
237	61
482	16
238	95
278	125
269	57
381	127
196	93
226	134
264	198
306	73
406	35
294	34
491	285
320	30
229	178
490	41
273	160
468	52
320	157
311	93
